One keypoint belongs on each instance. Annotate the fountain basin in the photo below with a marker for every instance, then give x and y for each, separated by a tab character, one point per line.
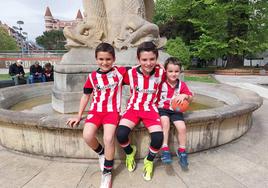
48	135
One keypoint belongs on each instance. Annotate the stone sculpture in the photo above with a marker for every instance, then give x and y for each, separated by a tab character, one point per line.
123	23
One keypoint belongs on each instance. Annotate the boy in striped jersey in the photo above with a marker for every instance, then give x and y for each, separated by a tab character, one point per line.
144	81
105	84
173	88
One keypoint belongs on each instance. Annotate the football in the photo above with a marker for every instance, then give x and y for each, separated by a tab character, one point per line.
179	107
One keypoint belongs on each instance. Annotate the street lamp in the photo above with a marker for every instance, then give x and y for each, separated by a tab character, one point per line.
20	34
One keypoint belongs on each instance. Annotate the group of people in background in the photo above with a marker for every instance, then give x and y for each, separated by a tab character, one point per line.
37	73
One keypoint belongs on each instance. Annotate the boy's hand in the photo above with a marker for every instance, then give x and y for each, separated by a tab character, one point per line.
73	122
181	97
160	65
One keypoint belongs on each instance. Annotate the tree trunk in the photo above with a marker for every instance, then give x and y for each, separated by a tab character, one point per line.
234	61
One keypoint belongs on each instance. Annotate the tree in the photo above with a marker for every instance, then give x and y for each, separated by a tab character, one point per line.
172	19
216	28
177	48
52	40
6	41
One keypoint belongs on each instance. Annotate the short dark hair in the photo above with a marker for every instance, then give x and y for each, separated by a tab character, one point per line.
172	60
105	47
48	65
147	47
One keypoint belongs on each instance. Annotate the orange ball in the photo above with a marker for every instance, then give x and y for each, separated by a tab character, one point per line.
180	107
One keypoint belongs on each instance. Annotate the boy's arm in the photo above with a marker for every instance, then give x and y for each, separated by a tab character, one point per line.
83	103
161	66
124	72
185	93
88	89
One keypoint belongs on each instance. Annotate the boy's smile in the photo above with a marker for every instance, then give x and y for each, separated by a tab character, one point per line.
147	61
105	61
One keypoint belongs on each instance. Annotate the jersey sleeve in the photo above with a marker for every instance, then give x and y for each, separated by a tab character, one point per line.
185	89
164	77
88	88
126	76
158	96
122	70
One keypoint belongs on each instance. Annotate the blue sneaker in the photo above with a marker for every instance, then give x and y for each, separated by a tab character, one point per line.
166	157
183	162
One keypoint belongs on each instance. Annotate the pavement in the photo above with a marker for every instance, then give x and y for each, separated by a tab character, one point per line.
241	163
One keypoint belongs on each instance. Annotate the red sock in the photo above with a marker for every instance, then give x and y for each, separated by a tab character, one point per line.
181	150
165	148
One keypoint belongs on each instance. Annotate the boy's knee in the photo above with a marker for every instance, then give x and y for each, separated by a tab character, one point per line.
108	140
88	135
181	128
157	139
122	133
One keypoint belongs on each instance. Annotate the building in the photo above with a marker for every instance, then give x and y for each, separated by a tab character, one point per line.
16	34
52	23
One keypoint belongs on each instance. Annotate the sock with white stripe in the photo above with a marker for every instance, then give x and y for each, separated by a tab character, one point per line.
108	166
99	150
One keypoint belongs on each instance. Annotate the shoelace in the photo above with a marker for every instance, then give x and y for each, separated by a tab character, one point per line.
148	166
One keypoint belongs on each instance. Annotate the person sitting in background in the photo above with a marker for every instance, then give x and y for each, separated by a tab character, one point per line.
17	73
48	72
36	73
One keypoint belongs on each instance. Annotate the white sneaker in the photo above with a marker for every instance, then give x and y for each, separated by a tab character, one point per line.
106	180
101	161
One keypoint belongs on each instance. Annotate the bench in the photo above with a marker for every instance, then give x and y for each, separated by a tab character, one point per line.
6	83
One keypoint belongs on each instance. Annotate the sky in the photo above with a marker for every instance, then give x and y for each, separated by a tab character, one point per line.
31	12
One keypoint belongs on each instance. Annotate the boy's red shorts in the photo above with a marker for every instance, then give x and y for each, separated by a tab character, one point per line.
149	118
101	118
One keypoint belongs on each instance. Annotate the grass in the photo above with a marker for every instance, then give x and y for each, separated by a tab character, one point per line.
7	77
207	79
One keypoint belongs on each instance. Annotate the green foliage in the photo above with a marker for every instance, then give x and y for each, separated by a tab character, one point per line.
161	15
208	48
177	48
52	40
6	41
213	28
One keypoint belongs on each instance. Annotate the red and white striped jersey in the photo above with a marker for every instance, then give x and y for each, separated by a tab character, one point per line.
107	89
167	92
143	89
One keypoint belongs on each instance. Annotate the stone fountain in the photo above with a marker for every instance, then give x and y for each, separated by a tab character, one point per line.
125	24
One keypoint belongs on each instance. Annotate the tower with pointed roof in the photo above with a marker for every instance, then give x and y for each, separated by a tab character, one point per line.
48	20
52	23
79	16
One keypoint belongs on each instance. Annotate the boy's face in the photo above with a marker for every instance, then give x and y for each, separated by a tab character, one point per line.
147	61
173	72
105	61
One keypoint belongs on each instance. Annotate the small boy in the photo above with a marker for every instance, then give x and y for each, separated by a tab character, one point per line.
173	88
144	81
105	85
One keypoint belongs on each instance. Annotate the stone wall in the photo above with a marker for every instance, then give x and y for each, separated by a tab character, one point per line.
48	135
